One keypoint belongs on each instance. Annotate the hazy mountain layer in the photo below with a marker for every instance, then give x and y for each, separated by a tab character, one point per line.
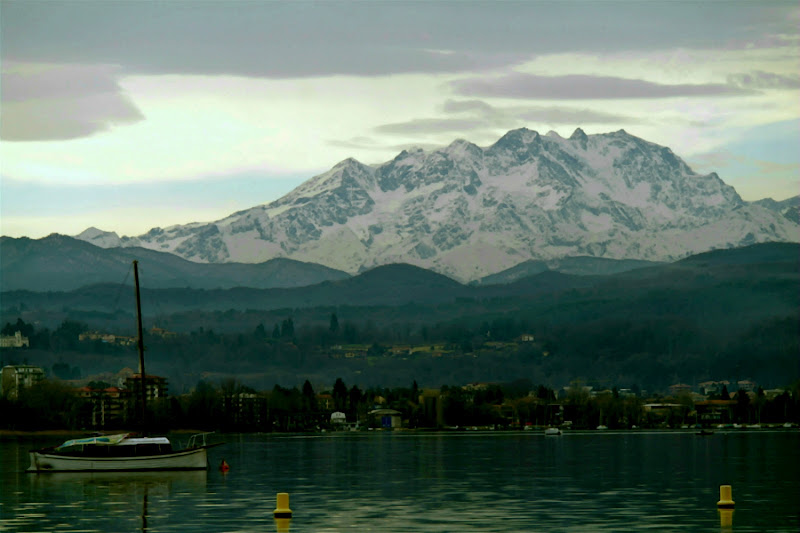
61	263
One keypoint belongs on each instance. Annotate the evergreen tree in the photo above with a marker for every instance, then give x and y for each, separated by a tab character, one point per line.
339	394
743	406
309	398
354	397
287	328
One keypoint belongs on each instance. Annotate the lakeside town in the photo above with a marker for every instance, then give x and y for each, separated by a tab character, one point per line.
34	398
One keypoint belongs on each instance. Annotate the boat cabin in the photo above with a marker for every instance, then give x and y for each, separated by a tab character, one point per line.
125	447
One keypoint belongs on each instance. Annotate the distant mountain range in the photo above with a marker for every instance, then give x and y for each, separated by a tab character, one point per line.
526	202
402	284
61	263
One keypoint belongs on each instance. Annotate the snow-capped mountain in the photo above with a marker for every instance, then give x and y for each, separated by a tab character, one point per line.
468	211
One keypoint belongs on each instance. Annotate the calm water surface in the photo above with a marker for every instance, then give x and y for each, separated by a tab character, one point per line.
403	481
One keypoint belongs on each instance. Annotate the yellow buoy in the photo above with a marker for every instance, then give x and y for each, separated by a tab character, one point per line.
725	518
725	497
282	525
282	508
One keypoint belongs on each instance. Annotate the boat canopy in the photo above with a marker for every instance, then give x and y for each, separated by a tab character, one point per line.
145	440
102	439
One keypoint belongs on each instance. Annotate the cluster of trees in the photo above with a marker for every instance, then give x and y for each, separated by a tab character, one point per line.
723	315
575	340
231	406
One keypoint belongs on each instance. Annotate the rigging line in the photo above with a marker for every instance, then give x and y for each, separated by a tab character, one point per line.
122	285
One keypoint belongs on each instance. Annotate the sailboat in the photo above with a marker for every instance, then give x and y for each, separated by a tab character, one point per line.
124	451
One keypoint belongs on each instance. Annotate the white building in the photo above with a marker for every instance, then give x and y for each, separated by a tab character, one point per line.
18	377
14	341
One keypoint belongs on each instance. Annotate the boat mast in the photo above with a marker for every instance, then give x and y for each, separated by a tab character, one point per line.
140	343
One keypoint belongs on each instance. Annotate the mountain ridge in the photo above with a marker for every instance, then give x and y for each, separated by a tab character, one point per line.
400	284
59	262
62	263
470	212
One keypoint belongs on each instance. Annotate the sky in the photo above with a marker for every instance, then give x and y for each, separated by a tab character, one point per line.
127	116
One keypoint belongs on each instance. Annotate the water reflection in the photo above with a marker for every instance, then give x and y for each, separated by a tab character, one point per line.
106	501
121	481
726	519
431	482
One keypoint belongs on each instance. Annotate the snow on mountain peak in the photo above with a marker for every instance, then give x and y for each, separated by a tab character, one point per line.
98	237
468	211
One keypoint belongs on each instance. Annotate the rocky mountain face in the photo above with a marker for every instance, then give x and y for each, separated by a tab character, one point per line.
469	212
789	208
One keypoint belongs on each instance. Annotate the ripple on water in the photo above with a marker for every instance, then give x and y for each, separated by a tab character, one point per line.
435	483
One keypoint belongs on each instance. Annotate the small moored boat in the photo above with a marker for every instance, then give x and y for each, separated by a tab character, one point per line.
552	432
122	452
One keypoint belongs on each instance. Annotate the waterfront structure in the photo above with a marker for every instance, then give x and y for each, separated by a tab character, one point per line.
155	386
432	407
325	402
108	406
715	411
14	378
246	408
389	418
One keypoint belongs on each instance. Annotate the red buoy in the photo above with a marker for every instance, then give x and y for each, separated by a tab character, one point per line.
223	466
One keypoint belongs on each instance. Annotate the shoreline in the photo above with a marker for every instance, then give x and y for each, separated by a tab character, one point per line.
5	433
78	432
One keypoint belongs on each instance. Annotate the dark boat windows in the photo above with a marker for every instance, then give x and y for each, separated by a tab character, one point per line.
137	450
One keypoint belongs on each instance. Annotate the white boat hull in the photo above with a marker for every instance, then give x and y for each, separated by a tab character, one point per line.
194	459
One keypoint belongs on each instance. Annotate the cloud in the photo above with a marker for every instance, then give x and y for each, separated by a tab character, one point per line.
386	151
422	126
308	39
479	115
583	87
563	115
461	106
763	80
58	102
502	116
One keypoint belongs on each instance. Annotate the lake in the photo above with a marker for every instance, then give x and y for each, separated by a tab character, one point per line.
418	481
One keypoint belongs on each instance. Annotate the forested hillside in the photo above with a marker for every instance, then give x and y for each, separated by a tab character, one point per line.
725	314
